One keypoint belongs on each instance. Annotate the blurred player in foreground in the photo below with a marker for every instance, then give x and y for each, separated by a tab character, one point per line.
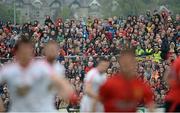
29	80
123	92
94	79
51	53
172	101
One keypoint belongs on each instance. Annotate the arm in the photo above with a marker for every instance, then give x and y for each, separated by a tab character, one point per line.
99	97
63	86
167	74
148	98
57	79
2	108
171	77
89	90
151	107
94	105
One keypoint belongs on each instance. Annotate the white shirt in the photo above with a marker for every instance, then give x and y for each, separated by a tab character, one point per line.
96	79
48	98
36	76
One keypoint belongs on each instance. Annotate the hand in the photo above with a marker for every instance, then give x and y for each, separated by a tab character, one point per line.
74	99
2	109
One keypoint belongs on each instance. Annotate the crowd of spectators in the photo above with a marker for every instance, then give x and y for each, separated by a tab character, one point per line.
155	37
5	95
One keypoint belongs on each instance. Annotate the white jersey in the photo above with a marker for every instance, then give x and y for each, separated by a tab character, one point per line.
49	97
96	79
37	77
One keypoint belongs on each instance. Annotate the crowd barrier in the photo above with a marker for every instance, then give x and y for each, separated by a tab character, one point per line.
2	59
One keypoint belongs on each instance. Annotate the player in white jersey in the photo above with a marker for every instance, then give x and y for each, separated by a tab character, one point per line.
94	79
51	53
28	80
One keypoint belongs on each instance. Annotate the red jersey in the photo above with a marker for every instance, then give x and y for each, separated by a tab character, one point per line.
121	95
174	81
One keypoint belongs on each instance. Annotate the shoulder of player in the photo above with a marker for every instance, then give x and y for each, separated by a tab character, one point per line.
115	79
91	75
112	79
59	69
58	65
116	76
9	70
41	63
110	84
92	71
8	67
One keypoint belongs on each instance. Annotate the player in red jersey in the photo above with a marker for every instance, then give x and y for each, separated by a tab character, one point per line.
172	100
123	92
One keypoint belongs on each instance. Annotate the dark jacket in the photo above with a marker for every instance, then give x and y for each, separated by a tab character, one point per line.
164	47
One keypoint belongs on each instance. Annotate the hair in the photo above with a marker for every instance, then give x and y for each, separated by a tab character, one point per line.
102	60
127	51
22	40
51	42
